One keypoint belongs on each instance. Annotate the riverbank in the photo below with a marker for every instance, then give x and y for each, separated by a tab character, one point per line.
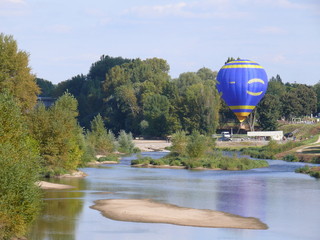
147	211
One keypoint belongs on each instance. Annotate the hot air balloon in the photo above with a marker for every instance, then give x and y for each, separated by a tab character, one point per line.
242	83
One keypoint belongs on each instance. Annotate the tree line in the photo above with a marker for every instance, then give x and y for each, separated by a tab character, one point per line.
141	97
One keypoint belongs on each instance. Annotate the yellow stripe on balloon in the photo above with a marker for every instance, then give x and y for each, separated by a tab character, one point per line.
242	107
241	66
254	93
256	80
232	82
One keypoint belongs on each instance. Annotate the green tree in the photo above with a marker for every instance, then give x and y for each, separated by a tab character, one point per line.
125	141
102	141
197	102
269	112
276	87
300	100
47	88
197	145
15	73
20	198
126	89
156	113
58	133
88	90
316	89
179	143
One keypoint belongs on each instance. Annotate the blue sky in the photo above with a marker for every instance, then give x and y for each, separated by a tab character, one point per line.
64	37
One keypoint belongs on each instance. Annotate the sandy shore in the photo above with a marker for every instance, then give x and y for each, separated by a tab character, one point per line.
136	210
151	145
48	185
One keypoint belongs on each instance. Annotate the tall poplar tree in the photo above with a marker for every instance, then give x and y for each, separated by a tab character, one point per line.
15	73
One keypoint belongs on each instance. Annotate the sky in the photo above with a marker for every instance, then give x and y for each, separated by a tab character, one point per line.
64	37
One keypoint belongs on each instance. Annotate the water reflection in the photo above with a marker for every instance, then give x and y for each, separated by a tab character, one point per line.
58	219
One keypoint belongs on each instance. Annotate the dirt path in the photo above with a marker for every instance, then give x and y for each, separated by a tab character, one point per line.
309	147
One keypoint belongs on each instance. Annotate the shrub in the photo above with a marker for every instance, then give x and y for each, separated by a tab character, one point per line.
197	145
109	157
179	143
291	158
125	141
175	163
141	160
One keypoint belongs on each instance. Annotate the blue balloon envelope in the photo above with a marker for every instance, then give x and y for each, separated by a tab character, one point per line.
242	83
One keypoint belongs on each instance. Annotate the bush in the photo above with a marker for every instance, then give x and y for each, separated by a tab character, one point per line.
109	157
197	145
175	163
179	143
291	158
312	171
99	138
125	141
142	160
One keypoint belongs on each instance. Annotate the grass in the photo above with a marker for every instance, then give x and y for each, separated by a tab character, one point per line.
212	160
312	171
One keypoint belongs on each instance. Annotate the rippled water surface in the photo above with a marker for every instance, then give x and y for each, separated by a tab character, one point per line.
289	203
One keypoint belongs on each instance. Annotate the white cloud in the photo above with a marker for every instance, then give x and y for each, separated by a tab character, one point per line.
13	1
159	10
195	9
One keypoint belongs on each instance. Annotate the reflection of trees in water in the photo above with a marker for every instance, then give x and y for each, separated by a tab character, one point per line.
58	219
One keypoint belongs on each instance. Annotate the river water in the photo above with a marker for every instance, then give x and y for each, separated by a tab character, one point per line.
289	203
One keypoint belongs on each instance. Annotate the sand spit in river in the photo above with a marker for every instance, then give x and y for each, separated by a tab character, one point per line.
147	211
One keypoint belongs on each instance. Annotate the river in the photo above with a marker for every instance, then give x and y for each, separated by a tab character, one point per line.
288	202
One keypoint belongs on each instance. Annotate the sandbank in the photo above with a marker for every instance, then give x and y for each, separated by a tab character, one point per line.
100	163
48	185
148	211
152	145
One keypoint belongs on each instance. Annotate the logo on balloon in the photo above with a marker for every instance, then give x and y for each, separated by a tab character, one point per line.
255	80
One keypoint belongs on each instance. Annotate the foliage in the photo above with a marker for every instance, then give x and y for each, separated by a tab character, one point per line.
125	142
290	158
312	171
46	87
102	141
156	112
59	136
269	112
197	101
109	157
87	89
197	145
299	101
20	198
179	143
212	160
15	73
